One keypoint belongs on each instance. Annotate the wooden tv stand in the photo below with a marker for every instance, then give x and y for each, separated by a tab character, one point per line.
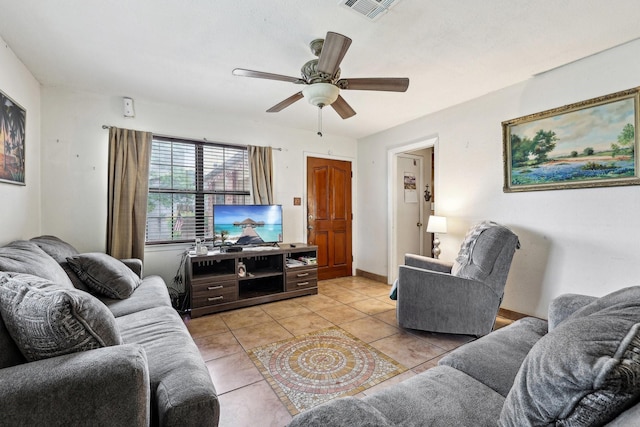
216	281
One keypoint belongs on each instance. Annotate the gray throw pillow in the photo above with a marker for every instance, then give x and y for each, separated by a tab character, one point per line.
585	371
105	274
47	320
22	256
75	280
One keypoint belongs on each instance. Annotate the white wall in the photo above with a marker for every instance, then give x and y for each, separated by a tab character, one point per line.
582	240
20	205
74	162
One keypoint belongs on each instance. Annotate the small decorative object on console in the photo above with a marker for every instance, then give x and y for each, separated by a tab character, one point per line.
307	260
242	270
201	248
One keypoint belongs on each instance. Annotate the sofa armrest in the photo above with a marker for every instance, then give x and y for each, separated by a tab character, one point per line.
106	386
427	263
134	264
564	306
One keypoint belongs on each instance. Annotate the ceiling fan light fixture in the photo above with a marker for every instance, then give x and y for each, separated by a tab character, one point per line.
321	94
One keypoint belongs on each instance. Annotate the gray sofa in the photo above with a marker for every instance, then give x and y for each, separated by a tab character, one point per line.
581	368
87	340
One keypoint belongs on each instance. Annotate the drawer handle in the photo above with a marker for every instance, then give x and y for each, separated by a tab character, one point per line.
213	288
302	284
215	298
302	274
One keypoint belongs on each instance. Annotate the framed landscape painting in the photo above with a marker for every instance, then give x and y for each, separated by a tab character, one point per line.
12	133
588	144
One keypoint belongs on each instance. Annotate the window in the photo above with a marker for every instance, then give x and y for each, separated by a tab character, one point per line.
186	178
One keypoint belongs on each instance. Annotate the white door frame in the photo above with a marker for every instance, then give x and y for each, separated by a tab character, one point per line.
392	171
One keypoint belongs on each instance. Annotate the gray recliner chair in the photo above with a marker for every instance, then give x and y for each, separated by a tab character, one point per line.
462	297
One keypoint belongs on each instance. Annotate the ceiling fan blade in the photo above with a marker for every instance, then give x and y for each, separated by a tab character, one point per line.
284	104
334	48
392	84
269	76
342	108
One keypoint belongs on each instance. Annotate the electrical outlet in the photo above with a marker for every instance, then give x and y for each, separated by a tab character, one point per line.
128	107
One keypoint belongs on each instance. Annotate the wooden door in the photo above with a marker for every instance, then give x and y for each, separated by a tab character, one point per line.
329	215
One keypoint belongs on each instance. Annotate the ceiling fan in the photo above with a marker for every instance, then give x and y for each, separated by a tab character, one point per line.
322	79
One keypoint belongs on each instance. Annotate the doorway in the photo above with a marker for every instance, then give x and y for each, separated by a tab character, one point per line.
409	205
329	215
407	235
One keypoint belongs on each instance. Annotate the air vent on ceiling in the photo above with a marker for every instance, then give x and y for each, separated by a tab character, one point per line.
371	9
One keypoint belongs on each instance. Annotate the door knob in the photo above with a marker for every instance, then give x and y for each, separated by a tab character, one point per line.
419	224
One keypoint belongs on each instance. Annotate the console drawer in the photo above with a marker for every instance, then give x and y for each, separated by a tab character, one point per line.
302	278
205	294
207	279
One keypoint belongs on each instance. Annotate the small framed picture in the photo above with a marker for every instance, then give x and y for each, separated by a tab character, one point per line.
242	270
12	136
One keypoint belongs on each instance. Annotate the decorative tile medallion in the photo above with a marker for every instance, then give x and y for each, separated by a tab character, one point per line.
308	370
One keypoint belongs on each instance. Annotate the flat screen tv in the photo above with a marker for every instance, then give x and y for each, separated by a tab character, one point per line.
248	224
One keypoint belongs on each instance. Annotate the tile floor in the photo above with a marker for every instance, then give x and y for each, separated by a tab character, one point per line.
357	305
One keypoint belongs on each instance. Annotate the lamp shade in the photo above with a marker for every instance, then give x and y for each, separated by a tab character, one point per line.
437	224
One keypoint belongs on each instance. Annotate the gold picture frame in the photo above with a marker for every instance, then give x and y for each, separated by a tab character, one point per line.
592	143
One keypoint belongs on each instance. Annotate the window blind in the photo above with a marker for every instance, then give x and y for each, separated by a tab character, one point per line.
186	178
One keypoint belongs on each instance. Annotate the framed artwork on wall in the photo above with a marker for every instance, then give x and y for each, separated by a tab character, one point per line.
12	135
591	143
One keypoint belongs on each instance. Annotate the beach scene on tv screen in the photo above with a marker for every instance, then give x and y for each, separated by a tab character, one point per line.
248	224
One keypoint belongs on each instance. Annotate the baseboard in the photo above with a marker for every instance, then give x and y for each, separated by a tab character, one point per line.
371	276
511	315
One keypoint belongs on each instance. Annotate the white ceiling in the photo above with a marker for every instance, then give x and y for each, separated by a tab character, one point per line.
182	52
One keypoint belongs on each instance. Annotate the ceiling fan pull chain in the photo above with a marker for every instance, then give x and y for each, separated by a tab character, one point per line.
320	120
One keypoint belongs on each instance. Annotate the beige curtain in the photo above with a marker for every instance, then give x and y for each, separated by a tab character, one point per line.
129	153
261	164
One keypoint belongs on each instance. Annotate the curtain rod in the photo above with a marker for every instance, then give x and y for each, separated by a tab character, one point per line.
204	139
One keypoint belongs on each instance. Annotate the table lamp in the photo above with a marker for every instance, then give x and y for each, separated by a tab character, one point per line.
436	224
